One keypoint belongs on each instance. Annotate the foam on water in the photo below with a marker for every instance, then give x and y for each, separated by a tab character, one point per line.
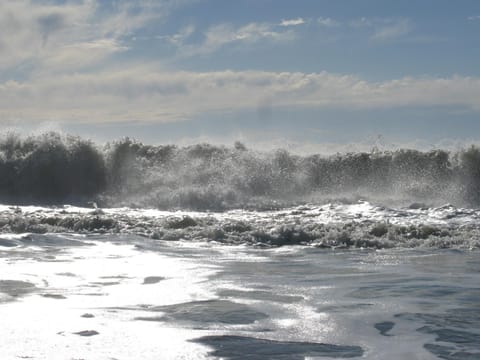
92	301
205	251
95	280
333	225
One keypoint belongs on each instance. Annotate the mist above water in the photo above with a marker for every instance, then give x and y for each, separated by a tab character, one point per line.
56	169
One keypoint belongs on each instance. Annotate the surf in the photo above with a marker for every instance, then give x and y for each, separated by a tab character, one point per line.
53	169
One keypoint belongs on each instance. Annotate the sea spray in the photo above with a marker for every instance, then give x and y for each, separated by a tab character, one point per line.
56	169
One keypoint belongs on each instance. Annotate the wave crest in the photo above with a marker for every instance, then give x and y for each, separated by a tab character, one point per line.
52	168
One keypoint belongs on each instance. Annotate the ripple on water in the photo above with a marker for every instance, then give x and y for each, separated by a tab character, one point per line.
150	280
208	311
14	289
455	331
384	327
241	347
260	295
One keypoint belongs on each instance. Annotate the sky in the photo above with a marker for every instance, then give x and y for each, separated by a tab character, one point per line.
301	74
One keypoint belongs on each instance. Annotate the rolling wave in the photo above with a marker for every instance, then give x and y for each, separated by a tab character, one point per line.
57	169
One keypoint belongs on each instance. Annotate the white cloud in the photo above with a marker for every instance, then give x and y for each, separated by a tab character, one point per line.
474	18
293	22
81	32
384	29
67	44
73	56
147	94
30	31
361	22
328	22
221	35
128	15
392	29
180	37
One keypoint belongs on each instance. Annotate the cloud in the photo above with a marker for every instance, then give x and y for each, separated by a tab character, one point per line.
383	29
148	94
361	22
180	37
123	17
220	35
30	30
292	22
392	29
474	18
42	33
50	23
69	44
328	22
73	56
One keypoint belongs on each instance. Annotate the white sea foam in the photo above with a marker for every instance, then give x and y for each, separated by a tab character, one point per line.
335	225
207	251
92	301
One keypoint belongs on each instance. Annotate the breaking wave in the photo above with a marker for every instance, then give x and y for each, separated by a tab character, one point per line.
359	225
56	169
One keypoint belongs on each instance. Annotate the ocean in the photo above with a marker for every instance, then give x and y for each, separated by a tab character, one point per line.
133	251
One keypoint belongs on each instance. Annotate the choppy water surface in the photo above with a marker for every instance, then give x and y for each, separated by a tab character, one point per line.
123	296
208	251
358	224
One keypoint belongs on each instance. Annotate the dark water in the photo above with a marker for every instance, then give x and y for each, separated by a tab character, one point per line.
239	347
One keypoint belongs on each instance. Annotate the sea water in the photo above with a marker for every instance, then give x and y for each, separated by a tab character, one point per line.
132	251
104	295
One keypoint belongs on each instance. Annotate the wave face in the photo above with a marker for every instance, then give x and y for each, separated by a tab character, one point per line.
50	168
57	169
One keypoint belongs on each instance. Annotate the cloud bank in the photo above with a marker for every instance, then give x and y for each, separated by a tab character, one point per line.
147	94
58	63
73	34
